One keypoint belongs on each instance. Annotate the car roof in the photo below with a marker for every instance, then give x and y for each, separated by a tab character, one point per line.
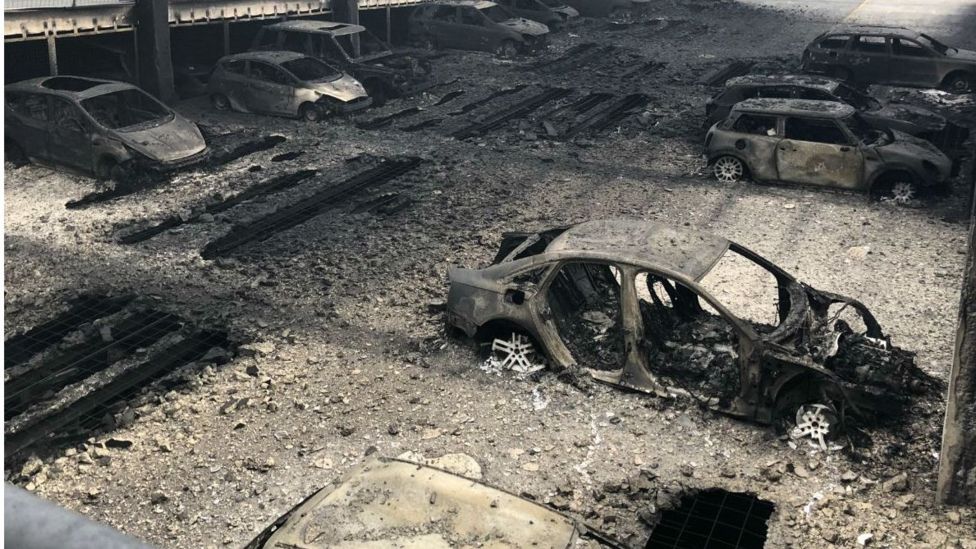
874	29
802	80
678	249
263	55
314	25
77	88
801	107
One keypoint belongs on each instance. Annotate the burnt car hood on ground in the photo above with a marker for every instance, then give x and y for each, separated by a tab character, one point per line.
396	503
526	26
169	141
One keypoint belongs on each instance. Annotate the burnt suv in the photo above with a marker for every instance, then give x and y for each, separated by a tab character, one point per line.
822	143
891	55
354	50
910	119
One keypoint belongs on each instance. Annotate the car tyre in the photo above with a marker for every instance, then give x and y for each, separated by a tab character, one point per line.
508	49
310	113
902	192
960	83
220	102
839	73
729	169
14	153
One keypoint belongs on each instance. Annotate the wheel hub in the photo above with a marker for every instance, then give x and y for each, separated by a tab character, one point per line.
815	422
902	192
517	353
728	170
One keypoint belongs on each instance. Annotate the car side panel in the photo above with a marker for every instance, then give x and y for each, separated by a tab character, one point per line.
823	164
757	151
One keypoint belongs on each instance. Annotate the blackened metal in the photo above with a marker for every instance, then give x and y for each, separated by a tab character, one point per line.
382	121
468	107
518	110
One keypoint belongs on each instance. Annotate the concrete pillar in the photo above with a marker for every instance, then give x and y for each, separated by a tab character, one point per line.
957	460
155	60
226	30
52	55
347	11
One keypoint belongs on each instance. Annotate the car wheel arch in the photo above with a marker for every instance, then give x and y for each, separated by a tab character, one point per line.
889	173
734	154
967	74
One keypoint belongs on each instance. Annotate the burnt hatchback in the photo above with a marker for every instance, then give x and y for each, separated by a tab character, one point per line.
99	127
662	309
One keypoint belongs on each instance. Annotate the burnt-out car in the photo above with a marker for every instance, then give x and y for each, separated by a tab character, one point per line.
100	127
284	83
660	309
536	10
397	503
822	143
563	9
910	119
475	25
353	49
866	54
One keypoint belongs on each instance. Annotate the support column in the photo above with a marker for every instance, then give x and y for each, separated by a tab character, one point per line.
957	460
52	55
155	60
389	31
347	11
226	26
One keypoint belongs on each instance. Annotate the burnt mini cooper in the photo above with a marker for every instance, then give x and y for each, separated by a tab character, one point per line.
661	309
100	127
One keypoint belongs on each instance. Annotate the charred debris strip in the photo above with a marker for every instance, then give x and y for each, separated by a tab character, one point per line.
438	273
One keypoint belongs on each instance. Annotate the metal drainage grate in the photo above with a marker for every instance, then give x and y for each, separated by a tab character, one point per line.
714	519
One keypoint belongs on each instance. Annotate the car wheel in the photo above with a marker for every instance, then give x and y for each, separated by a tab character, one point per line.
429	43
123	172
220	101
900	191
377	91
309	112
13	153
816	422
959	83
507	49
839	73
728	169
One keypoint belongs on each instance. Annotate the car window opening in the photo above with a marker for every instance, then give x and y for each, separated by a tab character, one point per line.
585	302
308	69
126	110
714	519
497	13
369	44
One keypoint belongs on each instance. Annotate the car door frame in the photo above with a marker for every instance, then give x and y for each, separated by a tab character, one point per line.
77	145
877	65
487	38
789	146
35	130
929	78
258	88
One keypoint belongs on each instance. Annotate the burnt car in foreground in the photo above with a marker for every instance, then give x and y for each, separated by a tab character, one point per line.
284	83
910	119
397	503
353	49
867	54
100	127
823	143
664	309
475	25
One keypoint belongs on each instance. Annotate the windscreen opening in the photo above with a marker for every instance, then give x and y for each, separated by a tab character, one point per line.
126	110
311	70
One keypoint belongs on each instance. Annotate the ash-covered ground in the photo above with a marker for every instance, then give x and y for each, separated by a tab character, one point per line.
336	323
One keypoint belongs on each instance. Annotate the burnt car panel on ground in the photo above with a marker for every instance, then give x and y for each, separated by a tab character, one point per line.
910	119
822	143
475	25
355	50
627	301
98	127
867	54
422	507
284	83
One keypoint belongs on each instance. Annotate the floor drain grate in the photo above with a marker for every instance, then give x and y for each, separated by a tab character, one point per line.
714	519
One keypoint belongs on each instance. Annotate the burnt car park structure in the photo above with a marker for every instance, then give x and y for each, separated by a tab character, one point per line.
822	143
284	83
100	127
476	25
867	54
624	300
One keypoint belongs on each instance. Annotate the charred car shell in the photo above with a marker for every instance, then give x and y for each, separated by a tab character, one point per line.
423	507
384	73
540	279
867	54
822	143
99	127
476	25
284	83
910	119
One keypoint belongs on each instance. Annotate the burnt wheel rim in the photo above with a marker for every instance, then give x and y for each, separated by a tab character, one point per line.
960	85
507	49
220	102
310	113
902	192
728	169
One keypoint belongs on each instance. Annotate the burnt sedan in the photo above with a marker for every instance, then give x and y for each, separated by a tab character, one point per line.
661	309
284	83
476	25
100	127
867	54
